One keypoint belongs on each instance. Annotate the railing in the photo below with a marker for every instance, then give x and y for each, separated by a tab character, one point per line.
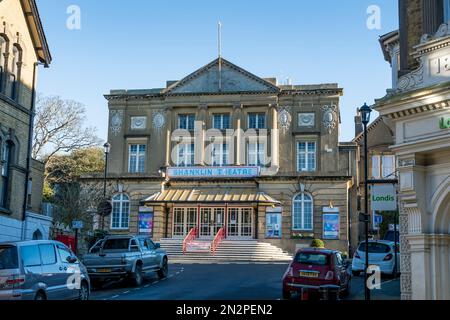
189	238
217	239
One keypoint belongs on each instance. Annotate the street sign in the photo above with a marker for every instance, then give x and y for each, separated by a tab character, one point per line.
104	208
383	197
77	224
377	218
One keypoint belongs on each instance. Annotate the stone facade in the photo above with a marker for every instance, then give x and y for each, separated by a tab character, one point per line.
292	114
419	108
22	46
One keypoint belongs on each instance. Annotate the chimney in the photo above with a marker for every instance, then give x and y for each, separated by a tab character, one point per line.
358	123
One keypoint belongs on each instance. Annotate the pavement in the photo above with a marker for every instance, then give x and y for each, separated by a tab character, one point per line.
224	281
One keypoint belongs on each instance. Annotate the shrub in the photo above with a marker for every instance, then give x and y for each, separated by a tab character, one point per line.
317	243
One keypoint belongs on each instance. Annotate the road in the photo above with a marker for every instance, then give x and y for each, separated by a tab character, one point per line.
223	282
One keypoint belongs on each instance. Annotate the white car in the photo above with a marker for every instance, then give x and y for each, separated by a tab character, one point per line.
381	254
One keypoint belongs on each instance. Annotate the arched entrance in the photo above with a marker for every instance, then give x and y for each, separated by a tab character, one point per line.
37	235
440	246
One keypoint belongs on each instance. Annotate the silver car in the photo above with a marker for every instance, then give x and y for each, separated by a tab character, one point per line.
41	270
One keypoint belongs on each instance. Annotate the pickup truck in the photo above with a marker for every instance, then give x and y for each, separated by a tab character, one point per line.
130	257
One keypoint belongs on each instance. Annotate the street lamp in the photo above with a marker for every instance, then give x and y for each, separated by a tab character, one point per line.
365	118
107	148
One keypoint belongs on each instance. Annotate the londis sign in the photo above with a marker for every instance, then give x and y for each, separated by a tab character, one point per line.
444	123
384	197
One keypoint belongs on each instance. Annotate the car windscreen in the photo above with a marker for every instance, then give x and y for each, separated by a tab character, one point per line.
8	257
312	258
116	244
375	247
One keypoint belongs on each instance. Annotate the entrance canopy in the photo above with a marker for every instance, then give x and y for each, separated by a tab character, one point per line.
210	196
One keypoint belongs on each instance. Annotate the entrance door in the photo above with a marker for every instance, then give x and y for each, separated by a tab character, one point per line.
211	220
240	223
184	219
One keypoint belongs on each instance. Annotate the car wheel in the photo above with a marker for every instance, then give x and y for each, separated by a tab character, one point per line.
162	273
286	295
83	294
138	277
355	273
40	296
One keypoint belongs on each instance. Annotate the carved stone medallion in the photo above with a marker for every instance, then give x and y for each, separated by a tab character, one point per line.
116	117
159	120
284	118
330	117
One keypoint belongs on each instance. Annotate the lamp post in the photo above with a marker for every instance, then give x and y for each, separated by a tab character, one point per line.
107	148
365	118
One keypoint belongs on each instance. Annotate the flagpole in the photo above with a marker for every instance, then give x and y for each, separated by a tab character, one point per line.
219	44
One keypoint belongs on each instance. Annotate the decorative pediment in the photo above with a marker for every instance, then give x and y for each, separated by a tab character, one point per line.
220	76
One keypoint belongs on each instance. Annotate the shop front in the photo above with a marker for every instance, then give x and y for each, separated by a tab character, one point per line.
209	211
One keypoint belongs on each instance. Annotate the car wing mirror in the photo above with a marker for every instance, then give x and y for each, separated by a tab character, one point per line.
157	245
71	259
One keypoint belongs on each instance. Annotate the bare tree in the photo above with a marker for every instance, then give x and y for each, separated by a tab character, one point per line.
59	127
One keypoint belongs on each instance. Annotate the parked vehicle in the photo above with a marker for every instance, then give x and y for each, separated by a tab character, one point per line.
41	270
131	257
315	271
381	254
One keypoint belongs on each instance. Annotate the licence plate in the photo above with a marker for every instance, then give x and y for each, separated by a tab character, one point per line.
309	274
104	270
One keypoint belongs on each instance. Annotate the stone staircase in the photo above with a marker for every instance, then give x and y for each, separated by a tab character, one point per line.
228	251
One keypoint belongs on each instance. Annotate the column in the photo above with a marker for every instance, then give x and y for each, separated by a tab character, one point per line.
237	122
432	15
274	141
169	120
199	135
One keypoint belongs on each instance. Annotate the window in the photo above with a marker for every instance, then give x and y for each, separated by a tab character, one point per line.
3	44
117	244
221	121
256	121
383	167
302	212
29	189
310	258
388	166
30	256
8	257
306	156
15	71
136	158
185	154
120	211
255	154
6	162
63	252
48	255
220	154
186	121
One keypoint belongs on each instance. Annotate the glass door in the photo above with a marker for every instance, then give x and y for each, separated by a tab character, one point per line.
219	216
205	222
184	219
240	223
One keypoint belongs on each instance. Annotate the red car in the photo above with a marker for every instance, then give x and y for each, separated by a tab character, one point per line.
316	271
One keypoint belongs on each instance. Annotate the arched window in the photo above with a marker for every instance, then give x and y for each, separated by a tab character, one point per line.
15	71
37	235
6	164
302	212
120	211
3	45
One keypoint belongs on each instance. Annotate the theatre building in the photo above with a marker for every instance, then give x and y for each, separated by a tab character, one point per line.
223	150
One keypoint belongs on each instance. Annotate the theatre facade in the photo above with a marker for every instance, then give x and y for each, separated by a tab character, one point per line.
223	149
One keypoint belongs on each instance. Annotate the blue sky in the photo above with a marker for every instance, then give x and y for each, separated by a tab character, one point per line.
139	44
